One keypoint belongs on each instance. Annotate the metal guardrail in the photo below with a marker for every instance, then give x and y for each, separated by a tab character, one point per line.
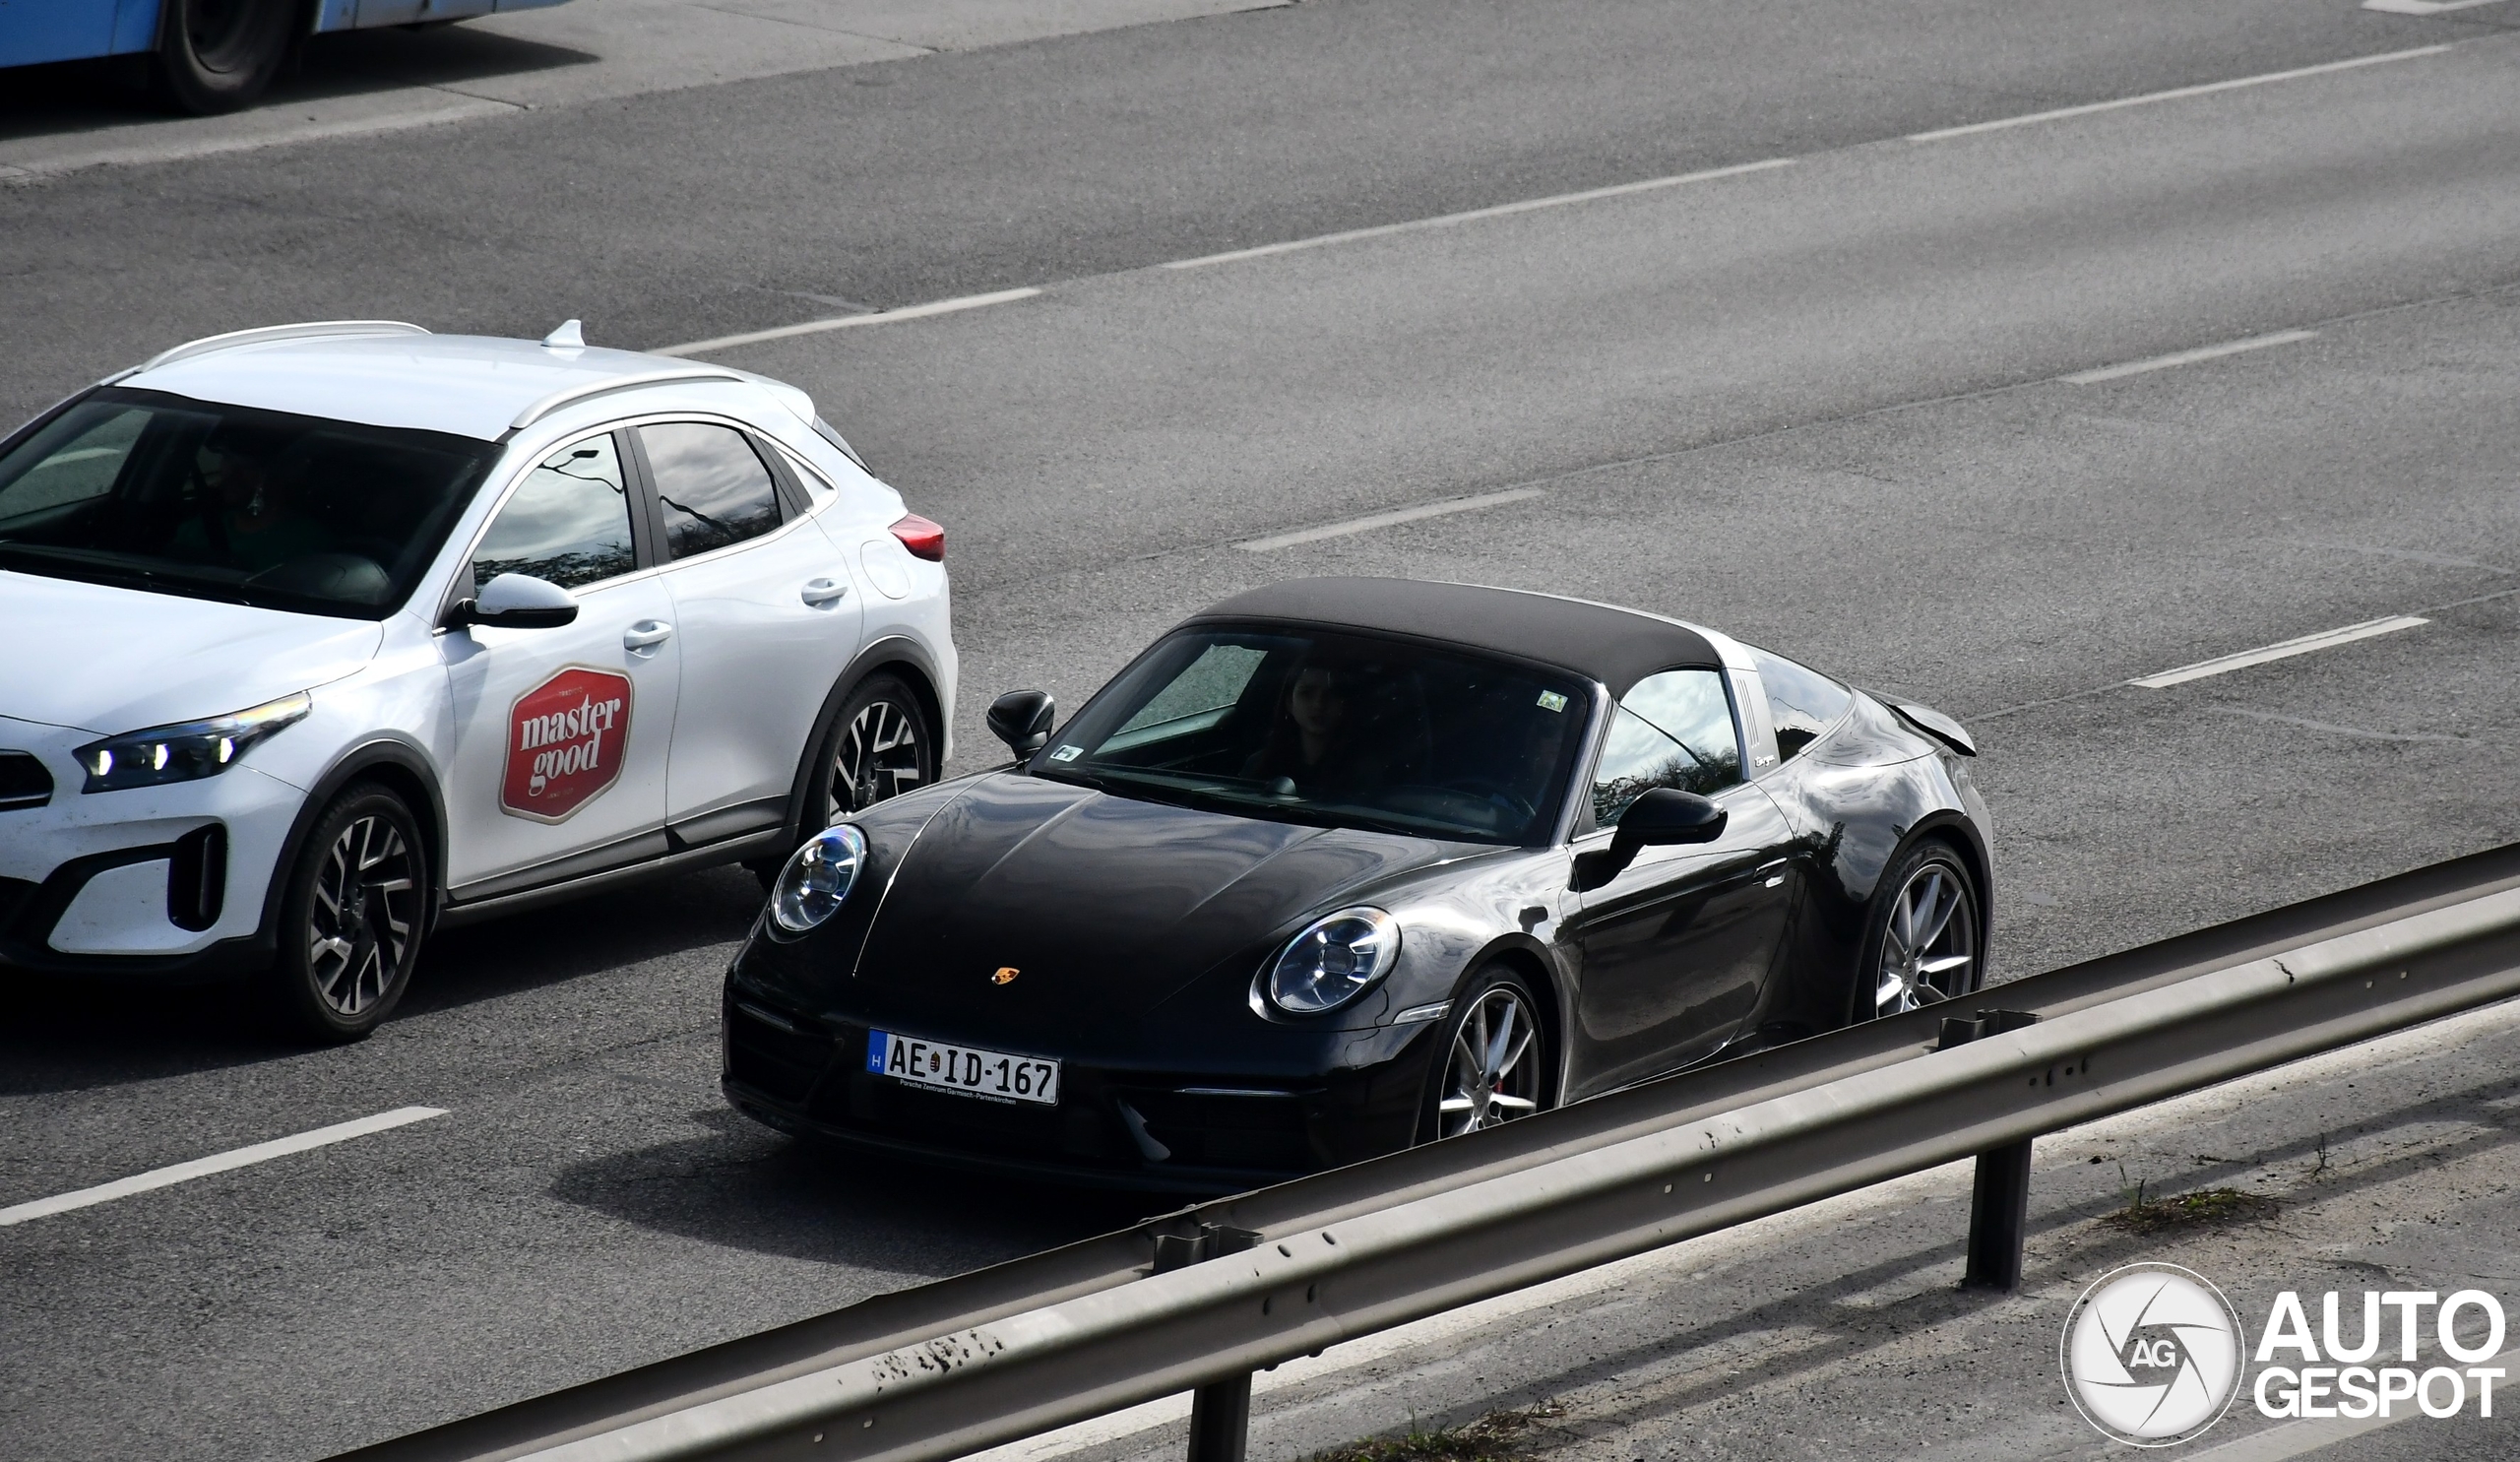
1200	1299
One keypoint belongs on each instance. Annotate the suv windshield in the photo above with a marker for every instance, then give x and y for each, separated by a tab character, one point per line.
160	492
1344	730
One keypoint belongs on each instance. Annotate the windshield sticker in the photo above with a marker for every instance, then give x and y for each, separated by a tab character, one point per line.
1550	700
1067	753
565	744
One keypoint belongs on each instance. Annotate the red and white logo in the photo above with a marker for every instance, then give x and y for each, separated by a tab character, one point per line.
565	742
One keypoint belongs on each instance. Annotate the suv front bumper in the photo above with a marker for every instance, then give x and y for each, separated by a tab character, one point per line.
161	881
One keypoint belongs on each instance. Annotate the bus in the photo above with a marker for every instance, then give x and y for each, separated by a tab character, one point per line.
207	56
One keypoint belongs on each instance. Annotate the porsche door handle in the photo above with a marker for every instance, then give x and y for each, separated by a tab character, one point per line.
820	591
647	634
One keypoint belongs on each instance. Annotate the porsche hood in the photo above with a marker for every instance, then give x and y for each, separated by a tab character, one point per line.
1102	906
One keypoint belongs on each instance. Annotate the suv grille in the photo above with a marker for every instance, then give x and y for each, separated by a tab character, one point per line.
24	782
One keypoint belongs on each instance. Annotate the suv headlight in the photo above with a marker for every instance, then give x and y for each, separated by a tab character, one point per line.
188	751
1336	960
816	879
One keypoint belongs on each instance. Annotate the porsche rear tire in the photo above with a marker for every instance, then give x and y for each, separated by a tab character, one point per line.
218	56
1494	1062
1924	937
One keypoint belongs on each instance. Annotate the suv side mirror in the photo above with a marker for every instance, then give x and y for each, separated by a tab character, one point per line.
1660	818
1022	719
516	601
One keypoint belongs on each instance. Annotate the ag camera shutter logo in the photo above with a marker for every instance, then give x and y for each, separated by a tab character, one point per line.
2152	1355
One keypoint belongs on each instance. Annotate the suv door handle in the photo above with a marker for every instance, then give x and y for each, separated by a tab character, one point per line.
647	634
820	591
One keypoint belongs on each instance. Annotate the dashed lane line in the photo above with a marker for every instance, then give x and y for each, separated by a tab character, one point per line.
2190	357
1390	519
843	322
1595	195
2241	659
2060	113
2424	6
1472	216
243	1157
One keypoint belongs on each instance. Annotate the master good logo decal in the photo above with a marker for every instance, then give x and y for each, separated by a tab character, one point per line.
565	741
2152	1354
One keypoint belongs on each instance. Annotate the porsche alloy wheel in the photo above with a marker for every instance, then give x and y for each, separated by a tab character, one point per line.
355	908
880	748
1927	946
1492	1065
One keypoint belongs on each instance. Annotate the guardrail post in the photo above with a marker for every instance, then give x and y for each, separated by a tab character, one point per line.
1999	1201
1220	1410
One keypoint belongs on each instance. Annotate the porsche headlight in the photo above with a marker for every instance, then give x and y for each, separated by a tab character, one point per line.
186	751
1335	960
815	882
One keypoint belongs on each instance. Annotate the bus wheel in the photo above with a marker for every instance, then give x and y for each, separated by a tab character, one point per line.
218	56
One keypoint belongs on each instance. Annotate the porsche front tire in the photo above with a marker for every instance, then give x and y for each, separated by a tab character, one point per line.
1496	1060
351	917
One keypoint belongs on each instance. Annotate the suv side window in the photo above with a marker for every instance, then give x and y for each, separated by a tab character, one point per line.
1671	730
712	487
1800	700
568	521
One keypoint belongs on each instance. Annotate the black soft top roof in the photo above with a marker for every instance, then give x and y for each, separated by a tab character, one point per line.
1617	647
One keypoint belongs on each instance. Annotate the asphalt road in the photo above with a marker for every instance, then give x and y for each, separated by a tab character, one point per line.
1819	406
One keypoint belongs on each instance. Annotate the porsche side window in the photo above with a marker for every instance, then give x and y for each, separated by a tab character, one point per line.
1196	700
82	467
568	521
1801	701
712	487
1671	730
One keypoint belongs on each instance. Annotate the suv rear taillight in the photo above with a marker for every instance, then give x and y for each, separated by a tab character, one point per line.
924	540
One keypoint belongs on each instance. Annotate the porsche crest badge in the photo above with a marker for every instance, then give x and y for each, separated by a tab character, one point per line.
1005	975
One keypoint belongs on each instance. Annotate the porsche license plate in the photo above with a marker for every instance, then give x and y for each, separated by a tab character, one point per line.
992	1074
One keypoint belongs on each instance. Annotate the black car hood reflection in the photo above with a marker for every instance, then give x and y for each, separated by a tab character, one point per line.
1104	906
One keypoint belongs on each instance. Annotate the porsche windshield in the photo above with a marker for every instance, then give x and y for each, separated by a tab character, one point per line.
160	492
1341	730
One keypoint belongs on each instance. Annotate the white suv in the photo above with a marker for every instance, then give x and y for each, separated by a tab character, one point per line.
317	637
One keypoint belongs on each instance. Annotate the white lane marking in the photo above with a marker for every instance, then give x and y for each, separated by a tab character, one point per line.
2424	6
877	317
2190	357
2300	1439
243	1157
2208	88
1386	519
2323	640
1502	210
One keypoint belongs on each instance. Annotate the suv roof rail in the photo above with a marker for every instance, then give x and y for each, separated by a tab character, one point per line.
310	329
571	395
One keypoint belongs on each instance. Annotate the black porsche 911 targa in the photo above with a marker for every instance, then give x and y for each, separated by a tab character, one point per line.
1343	864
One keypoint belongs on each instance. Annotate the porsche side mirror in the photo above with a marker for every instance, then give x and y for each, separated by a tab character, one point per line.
1022	719
516	601
1660	818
